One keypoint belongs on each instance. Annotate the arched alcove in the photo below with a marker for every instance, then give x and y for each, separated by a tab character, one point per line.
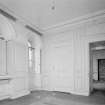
35	74
16	58
7	32
6	29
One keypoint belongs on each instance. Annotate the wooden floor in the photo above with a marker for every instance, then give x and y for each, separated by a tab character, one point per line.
57	98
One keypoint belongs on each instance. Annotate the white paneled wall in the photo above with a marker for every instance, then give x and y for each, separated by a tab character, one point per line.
65	57
14	59
17	59
3	57
57	62
3	70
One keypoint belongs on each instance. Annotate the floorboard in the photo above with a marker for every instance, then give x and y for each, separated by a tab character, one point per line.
57	98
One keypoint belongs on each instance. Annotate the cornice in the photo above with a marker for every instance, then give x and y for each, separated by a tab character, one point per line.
86	20
11	15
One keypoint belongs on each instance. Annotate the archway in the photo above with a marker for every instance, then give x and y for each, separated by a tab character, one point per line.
35	44
16	59
6	33
6	29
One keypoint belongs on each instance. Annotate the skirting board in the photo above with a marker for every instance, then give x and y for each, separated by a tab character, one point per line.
4	97
19	94
80	93
86	93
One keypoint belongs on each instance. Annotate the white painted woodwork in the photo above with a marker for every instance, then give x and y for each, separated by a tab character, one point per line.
17	58
37	76
6	29
57	65
3	71
4	93
15	83
65	56
3	57
7	32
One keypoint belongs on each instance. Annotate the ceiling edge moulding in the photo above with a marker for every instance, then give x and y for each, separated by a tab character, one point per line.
12	16
7	15
32	29
77	21
2	38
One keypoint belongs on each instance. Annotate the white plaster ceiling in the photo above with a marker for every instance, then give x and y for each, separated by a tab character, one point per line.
42	14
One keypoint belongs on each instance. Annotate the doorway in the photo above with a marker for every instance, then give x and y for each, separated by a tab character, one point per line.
101	69
97	66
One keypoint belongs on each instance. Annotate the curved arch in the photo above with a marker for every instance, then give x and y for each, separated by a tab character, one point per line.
31	39
6	29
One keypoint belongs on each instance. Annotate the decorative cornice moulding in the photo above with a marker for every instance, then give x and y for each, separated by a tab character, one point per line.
89	19
11	15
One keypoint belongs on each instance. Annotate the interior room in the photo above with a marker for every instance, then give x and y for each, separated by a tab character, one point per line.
97	54
52	52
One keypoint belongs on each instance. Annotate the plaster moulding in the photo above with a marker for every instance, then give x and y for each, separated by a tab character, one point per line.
11	15
87	20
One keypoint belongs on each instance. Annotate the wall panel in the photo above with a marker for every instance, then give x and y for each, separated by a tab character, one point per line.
18	68
65	56
3	70
57	63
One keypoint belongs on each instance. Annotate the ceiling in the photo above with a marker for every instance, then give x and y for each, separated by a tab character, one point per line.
46	13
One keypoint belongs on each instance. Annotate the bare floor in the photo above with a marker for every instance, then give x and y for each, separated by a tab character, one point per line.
57	98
